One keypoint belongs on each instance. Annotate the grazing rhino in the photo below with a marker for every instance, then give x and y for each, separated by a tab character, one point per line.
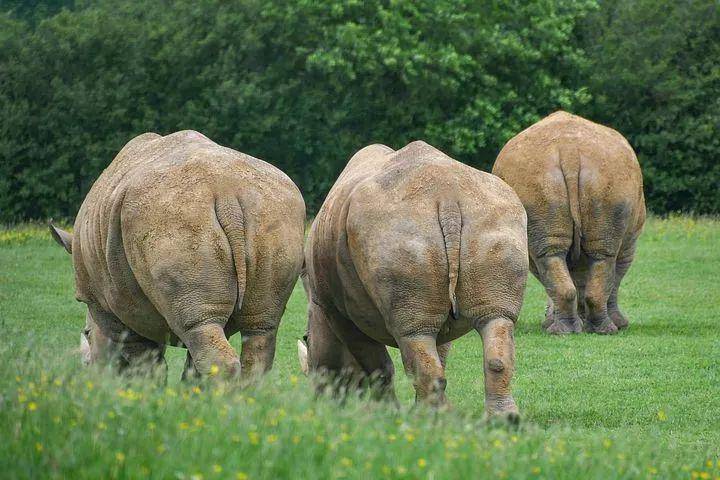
413	249
181	241
581	185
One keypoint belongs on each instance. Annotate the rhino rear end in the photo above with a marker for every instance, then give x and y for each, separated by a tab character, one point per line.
202	242
582	187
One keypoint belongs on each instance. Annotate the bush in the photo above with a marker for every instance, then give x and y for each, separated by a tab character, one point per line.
654	76
305	84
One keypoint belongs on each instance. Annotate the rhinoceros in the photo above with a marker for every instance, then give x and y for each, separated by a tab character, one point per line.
184	242
582	187
413	249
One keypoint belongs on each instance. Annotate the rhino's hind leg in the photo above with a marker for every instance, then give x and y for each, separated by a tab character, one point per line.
554	275
499	366
352	362
210	350
140	356
423	364
443	352
621	267
600	283
112	344
333	367
258	352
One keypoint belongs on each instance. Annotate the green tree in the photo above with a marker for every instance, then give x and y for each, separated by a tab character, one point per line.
655	76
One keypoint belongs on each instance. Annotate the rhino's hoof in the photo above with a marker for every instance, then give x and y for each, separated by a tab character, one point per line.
563	326
606	327
619	320
501	409
509	417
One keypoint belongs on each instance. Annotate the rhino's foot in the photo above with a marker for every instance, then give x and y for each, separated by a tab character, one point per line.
564	326
604	327
502	409
619	319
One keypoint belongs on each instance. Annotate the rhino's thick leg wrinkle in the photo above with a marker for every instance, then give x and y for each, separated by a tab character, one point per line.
210	350
601	279
257	354
422	362
499	366
559	286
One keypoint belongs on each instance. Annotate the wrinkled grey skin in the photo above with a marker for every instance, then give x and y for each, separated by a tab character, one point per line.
182	241
581	185
404	239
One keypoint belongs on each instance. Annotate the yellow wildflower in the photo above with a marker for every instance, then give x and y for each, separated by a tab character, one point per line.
214	369
254	438
32	406
661	416
295	439
38	446
184	425
346	462
422	463
120	457
196	389
293	379
409	437
535	470
241	476
272	438
217	468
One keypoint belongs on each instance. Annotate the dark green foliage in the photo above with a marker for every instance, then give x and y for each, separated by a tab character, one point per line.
304	84
655	76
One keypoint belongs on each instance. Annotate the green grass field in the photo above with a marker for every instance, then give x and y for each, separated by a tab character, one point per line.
642	404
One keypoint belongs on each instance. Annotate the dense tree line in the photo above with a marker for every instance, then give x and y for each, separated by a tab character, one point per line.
304	84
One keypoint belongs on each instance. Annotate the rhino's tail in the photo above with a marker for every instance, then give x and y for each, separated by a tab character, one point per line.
570	167
450	224
231	219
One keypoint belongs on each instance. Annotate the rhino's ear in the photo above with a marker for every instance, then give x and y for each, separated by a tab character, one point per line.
62	237
303	356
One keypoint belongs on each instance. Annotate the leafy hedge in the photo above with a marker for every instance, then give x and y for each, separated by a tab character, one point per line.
304	84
